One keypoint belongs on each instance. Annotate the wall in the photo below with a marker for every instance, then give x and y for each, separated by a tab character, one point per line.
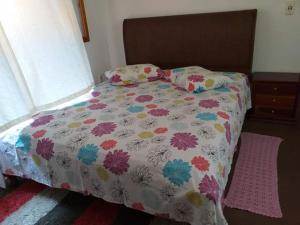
97	47
277	46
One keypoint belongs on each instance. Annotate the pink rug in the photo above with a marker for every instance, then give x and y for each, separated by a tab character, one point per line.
254	185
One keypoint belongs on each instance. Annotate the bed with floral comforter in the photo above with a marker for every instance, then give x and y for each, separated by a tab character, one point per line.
152	147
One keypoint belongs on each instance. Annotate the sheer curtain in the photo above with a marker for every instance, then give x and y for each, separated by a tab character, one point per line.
42	57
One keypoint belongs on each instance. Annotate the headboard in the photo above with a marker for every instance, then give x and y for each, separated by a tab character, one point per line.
222	41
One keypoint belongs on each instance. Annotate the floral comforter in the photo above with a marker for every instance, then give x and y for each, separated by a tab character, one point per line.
152	147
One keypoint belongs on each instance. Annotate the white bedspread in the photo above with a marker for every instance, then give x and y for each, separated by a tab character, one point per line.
151	147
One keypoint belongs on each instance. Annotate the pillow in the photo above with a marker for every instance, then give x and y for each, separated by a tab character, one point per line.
182	71
134	74
198	82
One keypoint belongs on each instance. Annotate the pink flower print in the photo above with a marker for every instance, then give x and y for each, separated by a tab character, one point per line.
228	132
184	141
94	100
189	98
131	85
97	106
223	115
39	134
147	69
45	148
89	121
158	112
104	128
208	104
196	78
200	163
144	98
138	206
117	162
210	188
115	78
191	87
42	120
236	89
166	74
65	186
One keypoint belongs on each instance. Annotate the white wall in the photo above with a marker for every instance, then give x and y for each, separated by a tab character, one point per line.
277	46
97	47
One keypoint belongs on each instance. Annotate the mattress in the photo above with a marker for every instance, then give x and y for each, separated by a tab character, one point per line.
151	146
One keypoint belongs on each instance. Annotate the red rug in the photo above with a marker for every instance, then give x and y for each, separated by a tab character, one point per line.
31	203
254	185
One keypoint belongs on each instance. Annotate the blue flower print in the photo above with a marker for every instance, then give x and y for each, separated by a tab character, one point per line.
178	70
207	116
199	90
164	86
88	154
80	104
24	143
135	109
223	89
177	171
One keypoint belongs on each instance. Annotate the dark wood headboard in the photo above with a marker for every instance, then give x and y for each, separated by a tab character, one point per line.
222	41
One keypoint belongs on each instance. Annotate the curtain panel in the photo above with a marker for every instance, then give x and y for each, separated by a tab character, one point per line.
43	61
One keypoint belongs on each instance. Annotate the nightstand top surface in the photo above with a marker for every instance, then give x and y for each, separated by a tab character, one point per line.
276	77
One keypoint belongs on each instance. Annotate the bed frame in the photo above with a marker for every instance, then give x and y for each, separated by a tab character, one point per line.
222	41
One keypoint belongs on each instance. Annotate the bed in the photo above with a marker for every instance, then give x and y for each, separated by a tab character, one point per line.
151	146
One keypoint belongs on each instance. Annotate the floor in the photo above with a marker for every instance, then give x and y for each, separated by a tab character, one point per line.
289	187
288	176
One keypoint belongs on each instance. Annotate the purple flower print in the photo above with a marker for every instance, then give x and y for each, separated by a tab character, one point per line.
158	112
210	103
153	78
104	128
144	98
160	73
95	93
45	148
184	141
228	132
97	106
196	78
117	162
210	188
115	78
42	120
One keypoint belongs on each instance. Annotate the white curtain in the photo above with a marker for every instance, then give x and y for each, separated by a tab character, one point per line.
42	57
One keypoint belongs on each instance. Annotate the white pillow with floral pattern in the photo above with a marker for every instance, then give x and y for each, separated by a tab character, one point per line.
198	80
133	74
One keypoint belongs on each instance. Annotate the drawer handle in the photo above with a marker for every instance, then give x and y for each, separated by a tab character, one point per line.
273	111
273	100
275	89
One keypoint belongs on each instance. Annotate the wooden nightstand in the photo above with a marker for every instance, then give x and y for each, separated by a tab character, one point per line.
275	95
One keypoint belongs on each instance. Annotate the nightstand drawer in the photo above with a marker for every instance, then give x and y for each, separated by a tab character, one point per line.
274	113
276	88
275	101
